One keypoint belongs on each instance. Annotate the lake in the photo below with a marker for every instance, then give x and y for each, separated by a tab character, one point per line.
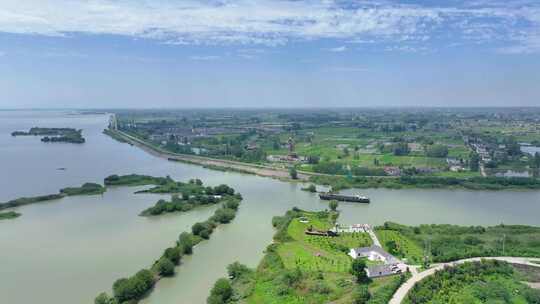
68	251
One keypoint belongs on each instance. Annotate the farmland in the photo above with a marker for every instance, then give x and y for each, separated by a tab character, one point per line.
300	268
457	143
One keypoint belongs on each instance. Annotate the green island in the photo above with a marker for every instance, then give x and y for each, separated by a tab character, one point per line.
135	180
446	243
85	189
193	194
477	283
88	189
68	135
9	215
22	201
132	289
302	268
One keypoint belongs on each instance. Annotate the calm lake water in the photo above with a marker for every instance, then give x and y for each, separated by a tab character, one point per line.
67	251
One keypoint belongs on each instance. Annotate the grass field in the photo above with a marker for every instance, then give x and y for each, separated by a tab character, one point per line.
450	242
311	269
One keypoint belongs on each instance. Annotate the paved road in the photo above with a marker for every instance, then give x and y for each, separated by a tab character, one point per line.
417	277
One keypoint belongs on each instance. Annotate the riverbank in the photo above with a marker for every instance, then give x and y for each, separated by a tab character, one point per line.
337	182
210	163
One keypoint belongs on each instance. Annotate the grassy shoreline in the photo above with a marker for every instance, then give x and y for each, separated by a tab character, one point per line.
298	268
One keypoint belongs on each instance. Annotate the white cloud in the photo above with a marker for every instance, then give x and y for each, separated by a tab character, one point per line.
338	49
347	69
275	22
204	58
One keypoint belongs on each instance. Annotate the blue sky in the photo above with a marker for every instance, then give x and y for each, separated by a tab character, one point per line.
268	53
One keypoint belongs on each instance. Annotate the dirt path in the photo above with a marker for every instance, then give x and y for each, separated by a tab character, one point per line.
401	293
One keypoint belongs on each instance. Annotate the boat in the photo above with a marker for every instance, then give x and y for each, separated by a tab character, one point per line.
344	198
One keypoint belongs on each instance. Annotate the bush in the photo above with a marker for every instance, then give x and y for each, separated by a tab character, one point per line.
165	267
236	270
224	215
133	288
361	295
103	298
185	243
221	293
173	254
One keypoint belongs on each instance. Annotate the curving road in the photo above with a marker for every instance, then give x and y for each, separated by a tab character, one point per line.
419	276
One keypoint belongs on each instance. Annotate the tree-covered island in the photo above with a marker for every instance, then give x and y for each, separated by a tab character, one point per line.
68	135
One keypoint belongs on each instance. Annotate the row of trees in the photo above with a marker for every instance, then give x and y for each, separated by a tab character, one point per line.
135	287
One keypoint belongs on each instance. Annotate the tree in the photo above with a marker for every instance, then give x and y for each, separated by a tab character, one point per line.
333	205
165	267
358	270
174	254
236	270
392	247
221	293
185	242
293	173
474	163
103	298
361	295
197	228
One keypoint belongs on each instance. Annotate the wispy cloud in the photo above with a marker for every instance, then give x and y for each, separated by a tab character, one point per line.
275	22
338	49
347	69
204	58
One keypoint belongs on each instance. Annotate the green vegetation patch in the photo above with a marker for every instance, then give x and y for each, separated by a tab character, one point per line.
69	135
133	289
450	242
477	282
135	180
428	182
300	268
29	200
9	215
85	189
193	194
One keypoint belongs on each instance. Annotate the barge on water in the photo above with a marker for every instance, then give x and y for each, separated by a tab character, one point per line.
344	198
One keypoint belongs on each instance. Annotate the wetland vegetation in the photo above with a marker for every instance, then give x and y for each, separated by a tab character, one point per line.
134	288
68	135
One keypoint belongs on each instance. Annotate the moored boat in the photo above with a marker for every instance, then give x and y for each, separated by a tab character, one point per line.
344	198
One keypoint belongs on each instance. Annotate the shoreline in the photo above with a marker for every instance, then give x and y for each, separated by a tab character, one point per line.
337	182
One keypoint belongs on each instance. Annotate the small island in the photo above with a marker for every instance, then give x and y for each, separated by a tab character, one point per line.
193	194
9	215
68	135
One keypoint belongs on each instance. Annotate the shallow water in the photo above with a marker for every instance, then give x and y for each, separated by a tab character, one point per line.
68	251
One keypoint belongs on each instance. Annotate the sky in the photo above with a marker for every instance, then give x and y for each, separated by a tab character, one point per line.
268	53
